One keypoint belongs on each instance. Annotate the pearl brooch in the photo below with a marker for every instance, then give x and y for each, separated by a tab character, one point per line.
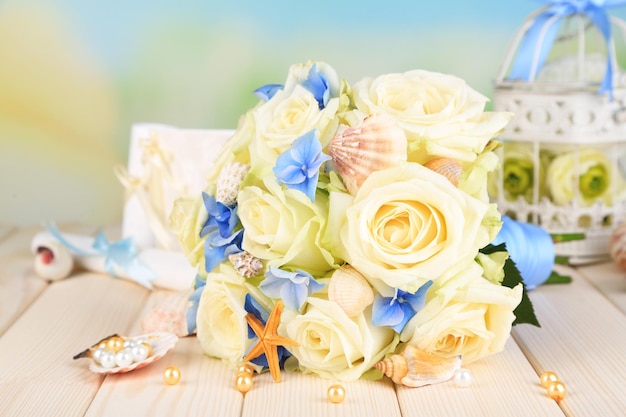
171	375
463	378
336	393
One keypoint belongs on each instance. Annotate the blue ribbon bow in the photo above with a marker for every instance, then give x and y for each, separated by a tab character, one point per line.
532	53
122	253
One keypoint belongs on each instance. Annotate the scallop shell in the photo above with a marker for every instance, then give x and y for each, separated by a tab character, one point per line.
228	181
447	167
416	368
617	245
53	261
246	264
350	290
162	342
374	144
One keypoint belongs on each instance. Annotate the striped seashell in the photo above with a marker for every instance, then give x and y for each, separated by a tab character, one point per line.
374	144
350	290
447	167
231	176
617	245
246	264
416	368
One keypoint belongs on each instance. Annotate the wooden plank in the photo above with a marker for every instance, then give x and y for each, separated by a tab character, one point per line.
300	395
504	384
206	384
582	339
5	230
610	279
37	372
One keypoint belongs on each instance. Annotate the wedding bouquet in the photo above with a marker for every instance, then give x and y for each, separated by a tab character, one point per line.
360	212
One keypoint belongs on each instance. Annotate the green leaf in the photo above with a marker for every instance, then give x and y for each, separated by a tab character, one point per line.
524	312
556	278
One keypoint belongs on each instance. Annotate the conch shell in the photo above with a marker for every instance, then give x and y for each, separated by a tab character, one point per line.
447	167
374	144
349	289
246	264
416	368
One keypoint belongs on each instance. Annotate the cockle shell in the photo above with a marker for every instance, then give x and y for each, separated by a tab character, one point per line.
617	245
52	261
350	290
447	167
374	144
231	176
246	264
416	368
161	342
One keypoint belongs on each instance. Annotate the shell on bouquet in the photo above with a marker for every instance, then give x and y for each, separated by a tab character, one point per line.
416	368
246	264
350	290
228	182
160	342
52	261
374	144
617	245
447	167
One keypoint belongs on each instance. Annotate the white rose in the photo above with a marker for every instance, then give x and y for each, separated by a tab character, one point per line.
441	114
408	225
468	316
222	329
333	345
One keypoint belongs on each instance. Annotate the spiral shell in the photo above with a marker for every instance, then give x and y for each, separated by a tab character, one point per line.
53	261
374	144
349	289
416	368
231	176
246	264
617	245
447	167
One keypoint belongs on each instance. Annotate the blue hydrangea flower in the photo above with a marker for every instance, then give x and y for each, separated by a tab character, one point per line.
194	299
221	216
396	311
254	308
292	287
299	166
317	84
267	91
217	248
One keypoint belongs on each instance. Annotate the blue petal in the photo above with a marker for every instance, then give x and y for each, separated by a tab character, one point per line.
267	91
271	286
308	187
386	312
315	286
418	299
253	307
291	174
294	295
408	313
317	84
305	147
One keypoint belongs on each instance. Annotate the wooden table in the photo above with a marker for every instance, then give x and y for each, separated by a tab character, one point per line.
582	339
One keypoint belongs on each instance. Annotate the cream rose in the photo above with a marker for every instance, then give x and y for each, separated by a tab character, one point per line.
333	345
468	316
282	120
222	329
441	114
408	225
284	227
186	220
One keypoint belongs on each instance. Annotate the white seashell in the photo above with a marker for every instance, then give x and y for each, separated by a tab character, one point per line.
53	261
416	368
162	342
231	176
169	315
246	264
617	245
374	144
350	290
447	167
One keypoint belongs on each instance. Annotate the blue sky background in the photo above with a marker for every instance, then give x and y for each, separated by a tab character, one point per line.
76	74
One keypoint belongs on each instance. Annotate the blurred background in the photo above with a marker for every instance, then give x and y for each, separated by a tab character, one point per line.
76	74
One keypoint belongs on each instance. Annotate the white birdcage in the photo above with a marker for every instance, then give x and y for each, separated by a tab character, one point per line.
563	159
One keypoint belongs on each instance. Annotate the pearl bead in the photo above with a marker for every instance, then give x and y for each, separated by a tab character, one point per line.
171	375
96	355
243	382
245	368
115	344
556	390
336	393
139	352
124	357
107	359
547	377
129	343
463	377
148	347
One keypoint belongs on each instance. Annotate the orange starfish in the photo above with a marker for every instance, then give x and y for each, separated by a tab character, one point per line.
269	339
